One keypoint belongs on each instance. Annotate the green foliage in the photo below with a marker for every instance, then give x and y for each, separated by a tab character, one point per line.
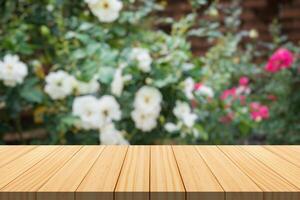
52	35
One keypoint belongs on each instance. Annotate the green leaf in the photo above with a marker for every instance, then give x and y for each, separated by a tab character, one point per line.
31	92
106	74
166	81
32	95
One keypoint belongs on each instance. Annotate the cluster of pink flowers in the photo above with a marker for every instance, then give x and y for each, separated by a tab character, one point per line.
238	92
197	86
258	111
233	94
281	59
229	93
244	81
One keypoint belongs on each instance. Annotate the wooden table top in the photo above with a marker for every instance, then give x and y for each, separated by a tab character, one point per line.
150	172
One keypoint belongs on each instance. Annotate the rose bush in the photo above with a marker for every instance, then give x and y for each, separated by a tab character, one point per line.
99	71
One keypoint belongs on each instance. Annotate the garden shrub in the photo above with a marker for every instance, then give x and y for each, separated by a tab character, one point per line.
100	71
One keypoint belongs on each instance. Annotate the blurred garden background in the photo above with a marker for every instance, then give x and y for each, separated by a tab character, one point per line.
149	72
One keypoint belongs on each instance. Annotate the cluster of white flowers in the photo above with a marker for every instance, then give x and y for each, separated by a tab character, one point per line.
95	113
171	127
12	70
143	59
105	10
118	82
60	84
205	91
146	108
110	135
99	114
87	109
186	118
184	113
189	85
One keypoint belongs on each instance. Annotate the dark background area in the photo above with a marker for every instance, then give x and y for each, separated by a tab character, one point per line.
257	14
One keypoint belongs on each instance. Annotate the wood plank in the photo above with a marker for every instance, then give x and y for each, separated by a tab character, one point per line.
284	168
273	185
289	153
25	186
63	184
10	153
165	180
17	167
198	180
101	180
134	180
235	183
150	172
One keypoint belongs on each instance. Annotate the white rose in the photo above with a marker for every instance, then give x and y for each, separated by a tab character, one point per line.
105	10
110	136
181	108
144	121
183	112
109	108
189	84
206	91
240	90
148	99
87	87
59	84
87	109
171	127
143	58
189	119
118	82
12	70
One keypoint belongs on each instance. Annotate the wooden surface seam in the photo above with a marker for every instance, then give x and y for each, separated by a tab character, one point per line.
150	172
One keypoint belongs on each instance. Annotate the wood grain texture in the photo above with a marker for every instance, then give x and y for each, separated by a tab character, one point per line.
8	154
273	185
165	179
282	167
289	153
26	185
149	173
101	180
235	183
134	180
198	180
64	183
17	167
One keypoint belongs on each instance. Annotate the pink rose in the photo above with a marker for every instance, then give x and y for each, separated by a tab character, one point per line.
254	106
197	86
264	112
281	59
270	67
258	111
244	80
227	93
